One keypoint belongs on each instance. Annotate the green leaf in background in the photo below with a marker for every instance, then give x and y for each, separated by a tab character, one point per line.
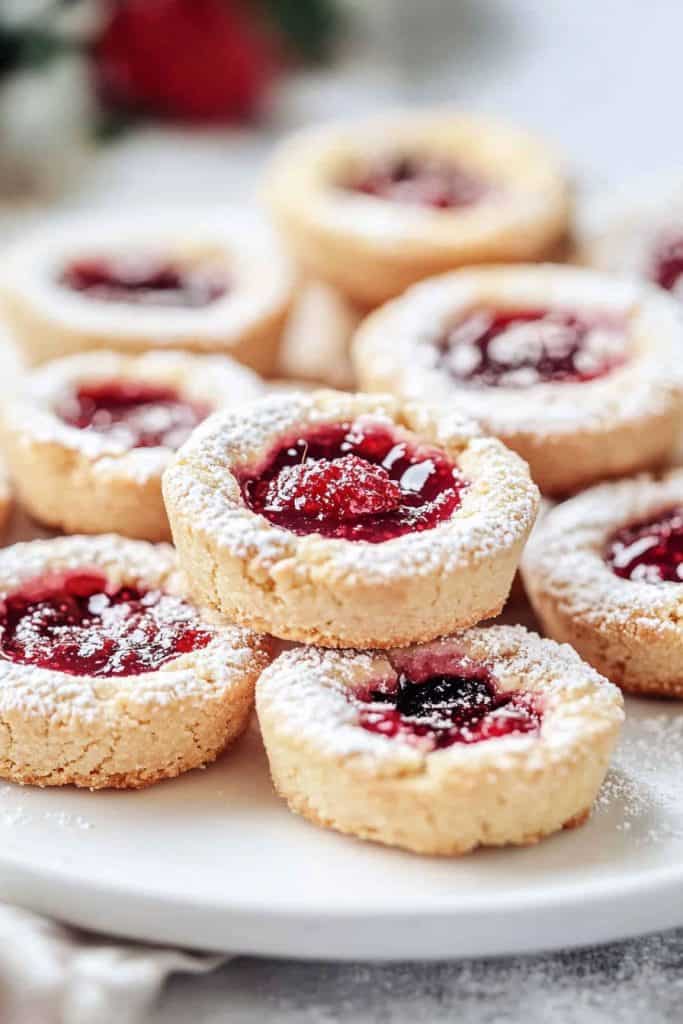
309	27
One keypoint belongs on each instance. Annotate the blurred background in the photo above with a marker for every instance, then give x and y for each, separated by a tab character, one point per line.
141	101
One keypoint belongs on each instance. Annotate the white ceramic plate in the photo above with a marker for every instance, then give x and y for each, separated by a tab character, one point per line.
214	860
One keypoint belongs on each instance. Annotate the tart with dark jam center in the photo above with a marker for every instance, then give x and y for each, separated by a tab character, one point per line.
76	623
357	481
443	709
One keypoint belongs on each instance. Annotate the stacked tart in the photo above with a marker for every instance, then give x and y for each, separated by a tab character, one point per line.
377	531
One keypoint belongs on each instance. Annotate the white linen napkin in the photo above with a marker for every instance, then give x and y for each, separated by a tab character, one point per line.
54	974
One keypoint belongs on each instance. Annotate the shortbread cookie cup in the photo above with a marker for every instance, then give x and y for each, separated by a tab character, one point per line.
630	630
335	591
84	481
373	248
122	731
572	433
50	320
508	790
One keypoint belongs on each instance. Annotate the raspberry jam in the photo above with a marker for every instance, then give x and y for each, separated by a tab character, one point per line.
76	623
666	264
424	182
146	281
518	349
136	414
651	550
443	709
356	481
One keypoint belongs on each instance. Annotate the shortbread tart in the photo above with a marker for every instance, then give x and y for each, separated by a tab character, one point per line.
375	206
604	572
87	437
109	676
577	371
348	520
210	283
487	738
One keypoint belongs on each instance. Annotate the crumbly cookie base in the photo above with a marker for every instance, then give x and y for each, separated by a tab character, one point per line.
64	490
416	814
312	606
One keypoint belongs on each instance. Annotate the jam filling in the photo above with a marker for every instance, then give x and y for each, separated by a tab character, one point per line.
76	623
444	709
666	264
650	551
146	281
136	414
517	349
357	481
440	184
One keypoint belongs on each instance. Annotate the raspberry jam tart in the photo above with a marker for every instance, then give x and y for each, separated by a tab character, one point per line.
521	348
650	551
280	512
76	623
601	572
576	371
440	184
376	206
356	481
465	706
138	414
146	281
109	675
435	747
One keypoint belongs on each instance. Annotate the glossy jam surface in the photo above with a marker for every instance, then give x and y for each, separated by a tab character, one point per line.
146	281
666	263
358	481
76	623
517	349
651	550
440	184
440	710
137	414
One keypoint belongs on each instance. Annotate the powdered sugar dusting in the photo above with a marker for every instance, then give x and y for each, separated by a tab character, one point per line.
308	689
398	348
60	698
642	791
566	555
496	509
33	414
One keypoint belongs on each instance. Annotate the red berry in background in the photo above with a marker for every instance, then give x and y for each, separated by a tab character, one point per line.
194	60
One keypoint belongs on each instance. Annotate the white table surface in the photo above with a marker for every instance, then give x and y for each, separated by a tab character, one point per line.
602	79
